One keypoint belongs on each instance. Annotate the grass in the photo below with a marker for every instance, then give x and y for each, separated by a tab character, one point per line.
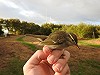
14	67
31	46
82	67
86	67
83	42
20	39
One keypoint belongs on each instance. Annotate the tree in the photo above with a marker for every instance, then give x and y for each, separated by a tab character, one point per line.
87	31
15	25
50	27
1	32
23	27
35	28
1	21
98	29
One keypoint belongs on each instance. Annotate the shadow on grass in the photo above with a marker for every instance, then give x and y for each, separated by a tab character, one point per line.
86	67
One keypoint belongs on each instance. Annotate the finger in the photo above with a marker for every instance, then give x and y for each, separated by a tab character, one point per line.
35	59
46	50
60	64
54	56
65	71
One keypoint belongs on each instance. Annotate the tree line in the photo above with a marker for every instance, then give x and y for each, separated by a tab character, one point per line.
17	27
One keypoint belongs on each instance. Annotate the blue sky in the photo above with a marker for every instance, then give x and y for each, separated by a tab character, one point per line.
54	11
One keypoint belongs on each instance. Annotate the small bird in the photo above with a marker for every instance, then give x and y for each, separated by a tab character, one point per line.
60	40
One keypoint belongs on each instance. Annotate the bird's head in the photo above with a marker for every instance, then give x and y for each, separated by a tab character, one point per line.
73	39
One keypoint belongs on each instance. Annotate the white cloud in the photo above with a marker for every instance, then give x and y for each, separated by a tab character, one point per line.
27	13
9	3
31	14
51	20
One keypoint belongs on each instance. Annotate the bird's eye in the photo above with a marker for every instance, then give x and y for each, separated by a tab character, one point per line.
60	41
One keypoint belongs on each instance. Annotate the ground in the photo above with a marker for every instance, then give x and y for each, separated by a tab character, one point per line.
10	48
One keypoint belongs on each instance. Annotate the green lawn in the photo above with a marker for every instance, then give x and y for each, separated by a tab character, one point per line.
31	46
84	42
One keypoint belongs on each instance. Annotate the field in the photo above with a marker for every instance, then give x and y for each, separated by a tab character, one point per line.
16	50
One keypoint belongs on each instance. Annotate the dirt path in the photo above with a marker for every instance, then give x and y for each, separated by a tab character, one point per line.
85	52
10	48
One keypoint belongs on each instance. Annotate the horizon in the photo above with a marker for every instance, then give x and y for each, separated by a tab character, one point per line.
98	23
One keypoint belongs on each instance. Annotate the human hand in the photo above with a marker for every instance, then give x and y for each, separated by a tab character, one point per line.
45	62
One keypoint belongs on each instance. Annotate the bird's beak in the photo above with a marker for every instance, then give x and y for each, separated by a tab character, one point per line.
77	46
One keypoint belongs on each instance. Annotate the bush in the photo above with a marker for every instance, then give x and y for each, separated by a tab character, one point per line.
87	31
82	30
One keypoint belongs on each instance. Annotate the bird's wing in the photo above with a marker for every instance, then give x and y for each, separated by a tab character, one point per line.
39	37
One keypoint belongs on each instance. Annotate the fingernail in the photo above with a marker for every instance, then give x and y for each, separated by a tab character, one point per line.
58	67
51	59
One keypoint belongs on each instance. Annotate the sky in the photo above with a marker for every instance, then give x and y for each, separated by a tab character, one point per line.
53	11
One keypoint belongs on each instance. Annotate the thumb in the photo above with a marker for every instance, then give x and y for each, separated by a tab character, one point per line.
36	58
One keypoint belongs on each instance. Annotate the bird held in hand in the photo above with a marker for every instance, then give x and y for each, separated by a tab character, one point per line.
60	40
